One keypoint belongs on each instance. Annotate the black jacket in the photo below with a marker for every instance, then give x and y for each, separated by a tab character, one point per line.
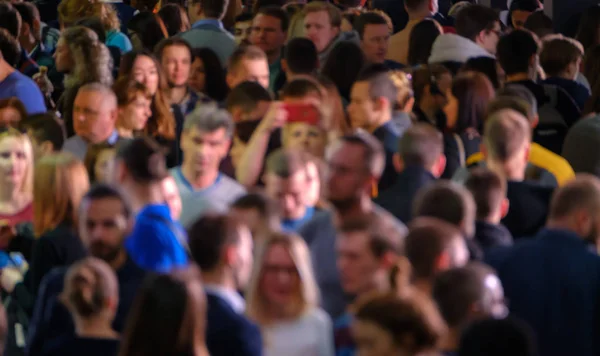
529	204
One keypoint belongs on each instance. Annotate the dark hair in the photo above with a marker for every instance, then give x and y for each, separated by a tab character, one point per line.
421	40
368	18
473	19
498	337
278	13
487	66
285	163
94	23
383	234
9	47
421	145
14	103
244	17
91	157
266	208
260	4
170	42
444	200
147	28
214	9
522	5
428	75
28	13
144	159
539	23
588	33
300	88
414	5
488	189
374	154
380	83
301	56
209	236
473	91
45	127
215	85
9	19
558	53
106	191
520	92
515	51
344	73
502	102
88	285
183	3
171	17
246	96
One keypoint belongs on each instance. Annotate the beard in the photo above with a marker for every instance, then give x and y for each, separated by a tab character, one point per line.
105	252
343	204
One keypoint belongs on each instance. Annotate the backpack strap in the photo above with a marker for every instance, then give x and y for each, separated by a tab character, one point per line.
461	150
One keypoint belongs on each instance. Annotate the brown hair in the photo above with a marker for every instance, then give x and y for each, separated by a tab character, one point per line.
91	157
335	15
558	52
473	91
581	193
506	132
421	145
488	189
248	52
127	90
16	104
60	183
383	235
286	162
71	11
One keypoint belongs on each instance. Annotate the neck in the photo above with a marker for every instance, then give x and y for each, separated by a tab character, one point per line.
125	133
379	121
566	75
450	340
177	94
97	327
419	14
274	56
142	195
509	171
5	70
423	285
10	193
28	43
362	206
518	77
220	277
198	180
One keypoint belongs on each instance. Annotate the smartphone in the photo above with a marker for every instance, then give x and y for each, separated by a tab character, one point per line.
304	113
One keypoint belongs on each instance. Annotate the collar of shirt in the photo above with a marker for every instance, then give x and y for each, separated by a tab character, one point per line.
230	296
210	22
114	136
191	187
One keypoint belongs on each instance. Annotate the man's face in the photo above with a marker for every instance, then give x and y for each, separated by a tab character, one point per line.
204	150
242	32
318	29
251	70
347	174
372	340
244	258
177	64
356	262
375	42
489	40
362	109
289	193
103	227
267	34
518	18
94	116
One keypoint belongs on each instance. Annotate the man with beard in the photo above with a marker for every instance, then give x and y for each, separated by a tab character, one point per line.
355	165
105	220
553	280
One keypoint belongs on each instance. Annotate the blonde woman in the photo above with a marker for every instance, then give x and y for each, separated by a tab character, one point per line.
60	181
283	300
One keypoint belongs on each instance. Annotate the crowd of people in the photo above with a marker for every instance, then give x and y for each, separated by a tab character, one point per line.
370	178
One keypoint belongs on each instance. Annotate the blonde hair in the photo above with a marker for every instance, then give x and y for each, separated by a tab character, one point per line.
27	184
296	27
60	183
71	11
309	294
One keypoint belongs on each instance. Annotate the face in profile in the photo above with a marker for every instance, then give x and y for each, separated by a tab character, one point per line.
13	160
280	280
135	115
93	118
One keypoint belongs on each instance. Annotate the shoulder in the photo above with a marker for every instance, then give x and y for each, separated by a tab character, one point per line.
230	183
318	317
321	219
388	218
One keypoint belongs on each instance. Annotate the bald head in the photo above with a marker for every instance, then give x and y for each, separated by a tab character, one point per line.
95	113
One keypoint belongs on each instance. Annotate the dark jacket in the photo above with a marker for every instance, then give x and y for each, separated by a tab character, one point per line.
553	283
529	203
491	235
455	154
229	333
388	134
398	199
576	91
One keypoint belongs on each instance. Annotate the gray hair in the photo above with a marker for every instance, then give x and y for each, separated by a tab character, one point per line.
108	94
209	118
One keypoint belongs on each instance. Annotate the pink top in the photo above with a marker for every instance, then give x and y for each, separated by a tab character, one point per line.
25	215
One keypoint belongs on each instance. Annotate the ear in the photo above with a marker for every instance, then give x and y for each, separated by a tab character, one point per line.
504	206
337	30
535	121
37	25
236	114
527	151
112	303
226	147
440	166
442	262
388	260
398	162
382	103
25	29
114	114
230	79
410	103
230	255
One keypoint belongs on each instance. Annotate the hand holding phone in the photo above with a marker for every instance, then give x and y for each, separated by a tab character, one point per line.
303	113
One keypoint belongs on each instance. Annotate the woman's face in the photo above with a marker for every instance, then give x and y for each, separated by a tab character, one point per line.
197	76
306	137
372	340
135	115
103	165
13	160
172	197
62	57
9	116
280	283
145	71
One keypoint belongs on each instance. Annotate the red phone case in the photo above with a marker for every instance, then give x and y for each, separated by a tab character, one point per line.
305	113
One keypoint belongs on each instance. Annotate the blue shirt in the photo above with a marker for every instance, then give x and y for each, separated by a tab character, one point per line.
291	225
23	88
155	243
119	40
344	342
208	22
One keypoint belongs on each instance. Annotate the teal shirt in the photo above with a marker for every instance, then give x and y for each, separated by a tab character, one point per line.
274	71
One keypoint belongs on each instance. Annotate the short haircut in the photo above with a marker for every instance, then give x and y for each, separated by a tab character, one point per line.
171	42
415	5
209	236
444	200
209	118
106	191
246	96
505	133
284	163
509	102
212	8
144	159
427	239
521	92
488	189
108	95
45	127
558	52
473	19
301	88
421	145
9	48
335	15
368	18
301	56
498	337
374	154
539	23
244	17
266	208
10	19
248	52
383	234
29	13
457	290
380	83
278	13
515	50
582	193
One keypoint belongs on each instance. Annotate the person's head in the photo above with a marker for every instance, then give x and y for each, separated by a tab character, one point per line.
471	93
539	23
269	30
282	280
208	75
10	50
518	53
95	112
172	197
98	161
433	246
373	98
300	58
242	28
221	245
248	63
91	292
71	11
392	325
418	7
60	182
431	86
447	201
31	28
16	161
12	111
168	316
506	142
487	66
322	22
259	213
46	132
302	90
561	57
175	19
175	55
133	103
516	97
520	10
206	139
139	162
211	9
588	33
143	67
374	36
481	25
498	337
366	251
345	73
10	19
95	24
489	192
422	145
355	164
421	41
